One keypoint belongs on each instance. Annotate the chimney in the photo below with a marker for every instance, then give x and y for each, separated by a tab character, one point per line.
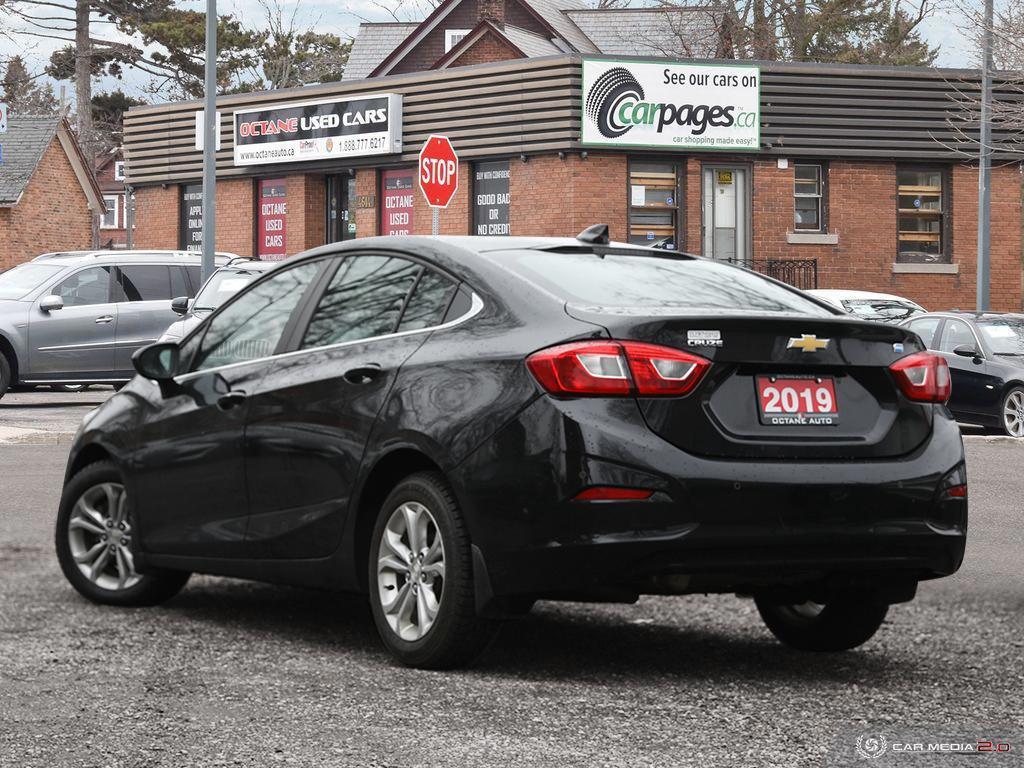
492	10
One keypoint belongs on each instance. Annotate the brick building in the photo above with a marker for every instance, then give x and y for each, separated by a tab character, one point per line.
831	175
109	169
48	194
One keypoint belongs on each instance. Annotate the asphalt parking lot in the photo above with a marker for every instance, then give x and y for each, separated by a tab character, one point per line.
235	673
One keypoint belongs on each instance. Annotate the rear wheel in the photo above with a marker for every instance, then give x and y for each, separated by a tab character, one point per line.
838	625
421	578
94	542
1013	412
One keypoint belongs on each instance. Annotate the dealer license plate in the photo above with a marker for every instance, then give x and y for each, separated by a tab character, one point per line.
799	401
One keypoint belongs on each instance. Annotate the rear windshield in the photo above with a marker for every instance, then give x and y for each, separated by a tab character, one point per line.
655	283
19	282
888	310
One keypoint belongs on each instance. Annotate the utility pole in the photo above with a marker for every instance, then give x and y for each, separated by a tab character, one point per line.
210	129
985	165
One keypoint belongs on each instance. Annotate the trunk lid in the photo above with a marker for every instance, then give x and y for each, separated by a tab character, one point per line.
724	416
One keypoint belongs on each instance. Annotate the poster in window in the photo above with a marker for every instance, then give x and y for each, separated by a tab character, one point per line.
491	198
396	210
190	217
270	226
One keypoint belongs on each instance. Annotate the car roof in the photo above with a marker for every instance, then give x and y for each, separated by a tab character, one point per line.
115	256
839	293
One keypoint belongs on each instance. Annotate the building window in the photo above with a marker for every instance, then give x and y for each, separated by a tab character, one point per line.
654	204
921	213
453	36
808	197
110	215
119	170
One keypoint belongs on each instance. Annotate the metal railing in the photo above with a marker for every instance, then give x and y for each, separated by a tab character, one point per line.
800	273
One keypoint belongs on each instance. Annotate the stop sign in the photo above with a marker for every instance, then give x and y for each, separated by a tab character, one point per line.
439	171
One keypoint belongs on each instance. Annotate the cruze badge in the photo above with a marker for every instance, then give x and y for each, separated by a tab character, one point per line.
807	342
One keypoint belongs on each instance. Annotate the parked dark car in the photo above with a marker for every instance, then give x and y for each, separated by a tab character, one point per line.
985	352
461	426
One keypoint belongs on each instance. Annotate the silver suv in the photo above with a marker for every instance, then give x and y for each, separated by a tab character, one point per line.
77	317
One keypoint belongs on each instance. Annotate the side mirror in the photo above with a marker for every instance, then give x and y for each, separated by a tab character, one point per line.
158	362
966	350
180	305
51	303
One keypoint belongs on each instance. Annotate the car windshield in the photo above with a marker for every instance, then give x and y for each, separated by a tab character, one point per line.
657	284
1004	336
19	282
887	310
222	286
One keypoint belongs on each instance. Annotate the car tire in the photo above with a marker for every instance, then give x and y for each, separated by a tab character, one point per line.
421	592
94	510
839	625
1011	413
5	375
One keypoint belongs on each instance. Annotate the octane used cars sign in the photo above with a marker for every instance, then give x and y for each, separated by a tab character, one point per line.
319	130
691	106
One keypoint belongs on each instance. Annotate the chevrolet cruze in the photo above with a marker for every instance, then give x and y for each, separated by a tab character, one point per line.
458	427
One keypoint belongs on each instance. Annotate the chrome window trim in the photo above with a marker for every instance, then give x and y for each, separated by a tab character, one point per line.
476	305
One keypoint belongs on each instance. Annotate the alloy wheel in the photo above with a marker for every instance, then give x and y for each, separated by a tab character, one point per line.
808	610
410	571
1013	413
99	535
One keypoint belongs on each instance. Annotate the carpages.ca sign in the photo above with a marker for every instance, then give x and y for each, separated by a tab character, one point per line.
684	106
319	130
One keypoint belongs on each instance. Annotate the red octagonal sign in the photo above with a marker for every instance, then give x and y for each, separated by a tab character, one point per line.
439	171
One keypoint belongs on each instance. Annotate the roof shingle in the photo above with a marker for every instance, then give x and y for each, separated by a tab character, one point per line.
23	146
664	32
373	43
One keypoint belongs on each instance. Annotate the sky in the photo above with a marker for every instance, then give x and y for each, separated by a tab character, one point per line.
342	18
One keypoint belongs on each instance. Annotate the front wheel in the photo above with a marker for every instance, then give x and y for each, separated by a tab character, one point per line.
421	578
1013	412
94	542
838	625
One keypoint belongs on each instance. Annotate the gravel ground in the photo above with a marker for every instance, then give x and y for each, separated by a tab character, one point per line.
235	673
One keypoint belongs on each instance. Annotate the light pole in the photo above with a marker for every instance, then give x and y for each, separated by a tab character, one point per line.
985	165
210	129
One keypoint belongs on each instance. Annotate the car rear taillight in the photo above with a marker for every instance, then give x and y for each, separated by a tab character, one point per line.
617	368
923	377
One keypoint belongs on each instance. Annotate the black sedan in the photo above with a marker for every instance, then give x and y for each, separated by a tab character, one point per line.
985	352
461	426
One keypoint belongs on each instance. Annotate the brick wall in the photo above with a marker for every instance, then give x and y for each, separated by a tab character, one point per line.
305	225
53	213
156	216
488	48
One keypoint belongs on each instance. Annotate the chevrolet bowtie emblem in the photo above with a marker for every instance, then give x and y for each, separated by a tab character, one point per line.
807	342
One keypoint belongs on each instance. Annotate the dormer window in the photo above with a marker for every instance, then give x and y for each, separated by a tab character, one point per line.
119	170
453	36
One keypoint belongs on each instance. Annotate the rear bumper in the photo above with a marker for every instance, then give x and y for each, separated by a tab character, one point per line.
711	526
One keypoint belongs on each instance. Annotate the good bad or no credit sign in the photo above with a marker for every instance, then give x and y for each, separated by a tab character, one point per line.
692	106
438	171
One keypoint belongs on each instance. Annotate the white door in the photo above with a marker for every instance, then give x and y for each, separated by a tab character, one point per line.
726	221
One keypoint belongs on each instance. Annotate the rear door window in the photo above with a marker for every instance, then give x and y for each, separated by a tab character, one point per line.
925	328
652	283
145	282
90	286
363	300
428	303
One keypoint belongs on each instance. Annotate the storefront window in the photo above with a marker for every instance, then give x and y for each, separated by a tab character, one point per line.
921	214
807	198
492	198
396	209
654	204
271	218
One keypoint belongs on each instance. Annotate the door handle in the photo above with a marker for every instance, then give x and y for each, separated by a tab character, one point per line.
230	400
364	374
103	319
